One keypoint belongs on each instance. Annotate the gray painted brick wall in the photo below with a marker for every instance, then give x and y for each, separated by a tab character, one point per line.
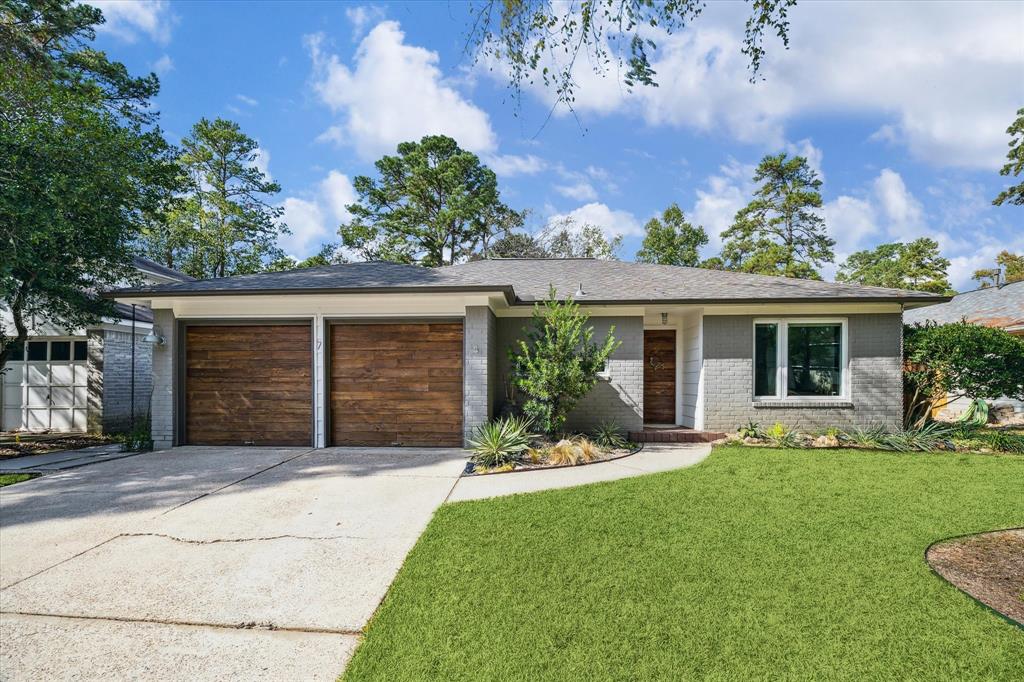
876	380
478	344
117	379
164	361
617	398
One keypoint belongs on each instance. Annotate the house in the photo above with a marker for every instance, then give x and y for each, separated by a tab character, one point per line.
1001	307
387	354
73	380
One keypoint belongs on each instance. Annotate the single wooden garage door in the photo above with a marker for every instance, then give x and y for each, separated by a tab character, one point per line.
396	384
248	385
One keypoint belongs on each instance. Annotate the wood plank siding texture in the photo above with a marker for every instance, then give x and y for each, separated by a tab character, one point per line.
660	376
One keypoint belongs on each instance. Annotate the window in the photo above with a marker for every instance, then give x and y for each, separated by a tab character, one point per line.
81	350
60	350
802	359
37	350
17	352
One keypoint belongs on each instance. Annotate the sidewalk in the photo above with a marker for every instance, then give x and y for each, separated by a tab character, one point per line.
62	459
653	458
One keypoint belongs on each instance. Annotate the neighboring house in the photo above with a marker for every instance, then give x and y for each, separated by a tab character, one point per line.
1001	307
81	379
382	354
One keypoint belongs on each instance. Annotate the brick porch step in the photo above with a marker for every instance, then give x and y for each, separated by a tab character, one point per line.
674	435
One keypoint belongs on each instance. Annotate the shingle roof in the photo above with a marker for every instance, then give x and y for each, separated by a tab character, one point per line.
992	307
141	263
527	280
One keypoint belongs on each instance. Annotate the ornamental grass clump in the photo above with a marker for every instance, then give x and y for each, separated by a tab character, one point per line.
570	452
501	442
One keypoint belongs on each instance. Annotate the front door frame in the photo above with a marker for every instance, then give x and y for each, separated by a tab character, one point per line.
676	328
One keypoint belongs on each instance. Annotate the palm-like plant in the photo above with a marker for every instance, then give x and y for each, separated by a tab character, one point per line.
500	442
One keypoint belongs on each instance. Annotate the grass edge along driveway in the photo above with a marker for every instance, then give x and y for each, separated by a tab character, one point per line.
755	563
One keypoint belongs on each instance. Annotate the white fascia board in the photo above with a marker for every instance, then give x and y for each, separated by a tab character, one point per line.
785	309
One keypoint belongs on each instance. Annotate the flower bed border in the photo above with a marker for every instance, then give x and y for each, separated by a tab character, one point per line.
465	474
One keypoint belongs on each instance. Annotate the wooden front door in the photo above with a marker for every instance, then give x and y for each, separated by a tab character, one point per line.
248	385
396	384
659	376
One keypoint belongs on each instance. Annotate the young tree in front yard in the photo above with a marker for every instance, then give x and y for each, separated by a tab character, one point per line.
558	362
959	360
434	204
915	265
81	161
780	232
672	240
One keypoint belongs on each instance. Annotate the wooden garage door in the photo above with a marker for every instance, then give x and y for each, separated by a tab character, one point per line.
248	384
396	384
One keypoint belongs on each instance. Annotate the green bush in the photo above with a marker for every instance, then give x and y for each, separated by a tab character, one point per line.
137	439
609	435
751	430
781	436
500	442
558	363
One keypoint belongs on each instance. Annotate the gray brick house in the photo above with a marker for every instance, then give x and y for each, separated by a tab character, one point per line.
381	353
76	380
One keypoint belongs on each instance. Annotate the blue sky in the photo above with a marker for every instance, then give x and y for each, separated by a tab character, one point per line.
901	106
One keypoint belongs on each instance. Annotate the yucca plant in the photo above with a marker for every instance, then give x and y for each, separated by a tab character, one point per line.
608	434
781	436
500	442
925	439
866	437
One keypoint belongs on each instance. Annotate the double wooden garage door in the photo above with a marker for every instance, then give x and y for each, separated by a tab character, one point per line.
389	384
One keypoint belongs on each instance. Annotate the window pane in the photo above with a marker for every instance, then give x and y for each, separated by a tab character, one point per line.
17	352
81	350
60	350
37	350
814	355
765	359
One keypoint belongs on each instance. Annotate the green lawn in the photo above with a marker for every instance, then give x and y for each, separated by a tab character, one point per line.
756	563
10	479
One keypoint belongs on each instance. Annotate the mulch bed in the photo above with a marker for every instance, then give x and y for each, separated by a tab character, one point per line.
988	567
33	445
526	465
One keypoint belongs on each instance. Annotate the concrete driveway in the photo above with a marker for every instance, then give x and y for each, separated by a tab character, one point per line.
208	563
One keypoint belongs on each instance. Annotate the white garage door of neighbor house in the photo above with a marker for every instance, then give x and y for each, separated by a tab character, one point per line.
45	386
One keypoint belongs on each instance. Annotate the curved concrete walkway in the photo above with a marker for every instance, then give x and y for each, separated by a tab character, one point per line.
653	458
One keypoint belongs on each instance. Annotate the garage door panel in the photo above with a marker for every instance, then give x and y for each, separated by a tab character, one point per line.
396	383
248	384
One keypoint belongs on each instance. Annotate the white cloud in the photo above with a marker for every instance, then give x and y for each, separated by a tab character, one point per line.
262	162
725	194
333	134
394	92
164	65
315	218
944	77
580	191
850	221
904	213
362	16
806	149
510	165
338	192
244	99
127	19
612	222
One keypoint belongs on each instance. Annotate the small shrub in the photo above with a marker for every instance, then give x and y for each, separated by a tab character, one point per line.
500	442
610	435
751	430
781	436
930	437
1006	442
137	439
866	437
572	452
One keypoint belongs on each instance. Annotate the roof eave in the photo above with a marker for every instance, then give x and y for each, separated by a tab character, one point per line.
507	291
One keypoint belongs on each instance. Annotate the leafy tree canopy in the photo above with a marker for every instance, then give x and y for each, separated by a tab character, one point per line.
434	203
672	240
222	223
558	362
544	41
567	238
329	254
1010	268
80	164
960	360
781	232
1014	164
915	265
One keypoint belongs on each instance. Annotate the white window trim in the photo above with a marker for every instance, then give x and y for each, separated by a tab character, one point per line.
782	359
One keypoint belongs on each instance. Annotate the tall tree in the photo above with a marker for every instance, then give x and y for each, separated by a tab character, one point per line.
434	203
672	240
329	254
517	245
916	265
1014	164
780	232
566	238
81	161
1009	268
546	41
223	222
